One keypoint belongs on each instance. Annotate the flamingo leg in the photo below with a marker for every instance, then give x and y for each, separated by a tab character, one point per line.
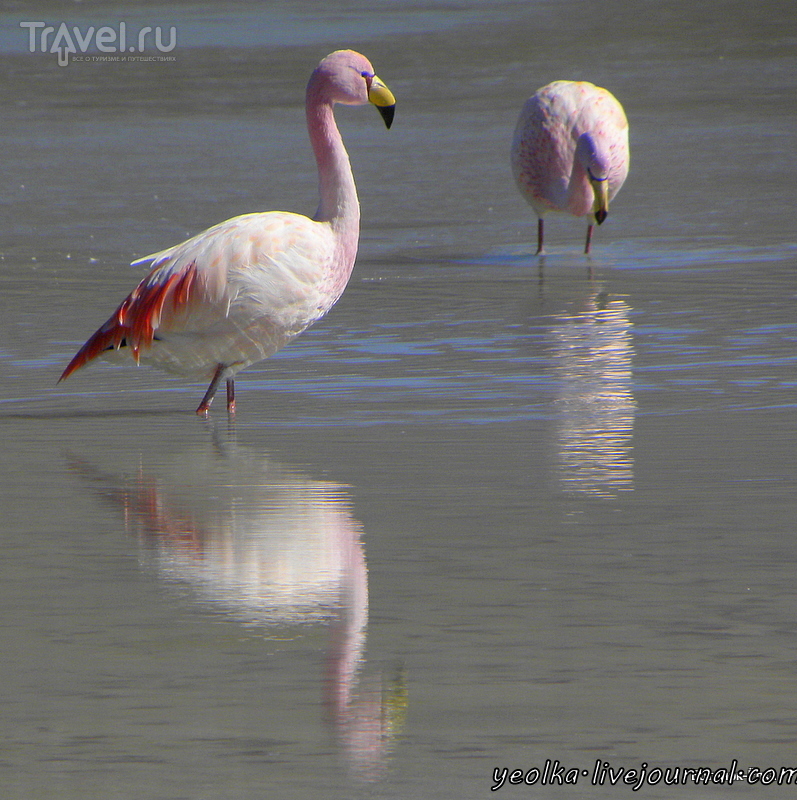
539	236
230	396
589	238
204	406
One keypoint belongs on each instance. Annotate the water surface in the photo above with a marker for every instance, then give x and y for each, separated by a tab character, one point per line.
493	510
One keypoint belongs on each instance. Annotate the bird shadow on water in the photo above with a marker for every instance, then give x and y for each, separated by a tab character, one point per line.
273	549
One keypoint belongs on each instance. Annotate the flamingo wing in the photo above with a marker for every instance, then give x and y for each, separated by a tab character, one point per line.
266	268
542	151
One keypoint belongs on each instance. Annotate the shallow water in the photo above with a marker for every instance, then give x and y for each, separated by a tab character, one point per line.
493	510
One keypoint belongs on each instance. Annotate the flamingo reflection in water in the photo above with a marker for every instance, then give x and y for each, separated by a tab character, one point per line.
592	352
269	547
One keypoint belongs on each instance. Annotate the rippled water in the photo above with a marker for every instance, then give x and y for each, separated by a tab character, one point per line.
494	510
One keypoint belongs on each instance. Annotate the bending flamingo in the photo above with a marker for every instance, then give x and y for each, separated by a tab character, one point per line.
570	152
239	291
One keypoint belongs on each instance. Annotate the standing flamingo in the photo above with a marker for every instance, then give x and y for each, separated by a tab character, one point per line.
570	152
239	291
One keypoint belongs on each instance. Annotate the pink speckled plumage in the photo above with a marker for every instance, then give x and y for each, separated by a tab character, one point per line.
239	291
570	144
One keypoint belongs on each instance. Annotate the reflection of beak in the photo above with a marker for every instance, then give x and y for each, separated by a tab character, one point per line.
600	207
383	99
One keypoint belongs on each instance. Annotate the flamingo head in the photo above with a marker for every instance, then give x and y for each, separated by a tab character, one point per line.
597	171
347	77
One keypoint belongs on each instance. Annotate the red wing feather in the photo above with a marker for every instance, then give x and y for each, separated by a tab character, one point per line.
138	316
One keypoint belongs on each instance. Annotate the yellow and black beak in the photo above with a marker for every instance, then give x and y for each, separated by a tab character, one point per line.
382	98
600	206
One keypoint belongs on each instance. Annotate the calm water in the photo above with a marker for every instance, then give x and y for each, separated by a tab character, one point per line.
491	511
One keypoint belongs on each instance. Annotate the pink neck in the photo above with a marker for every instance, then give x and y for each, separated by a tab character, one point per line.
338	195
580	195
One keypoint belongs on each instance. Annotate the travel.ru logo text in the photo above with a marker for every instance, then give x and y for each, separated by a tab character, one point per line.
66	41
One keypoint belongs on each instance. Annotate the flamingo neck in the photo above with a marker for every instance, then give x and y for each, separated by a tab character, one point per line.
581	196
338	195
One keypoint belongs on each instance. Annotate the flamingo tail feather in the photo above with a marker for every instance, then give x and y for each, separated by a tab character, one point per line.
135	321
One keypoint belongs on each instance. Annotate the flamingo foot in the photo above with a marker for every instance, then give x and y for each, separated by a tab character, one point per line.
231	397
540	251
204	407
589	239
